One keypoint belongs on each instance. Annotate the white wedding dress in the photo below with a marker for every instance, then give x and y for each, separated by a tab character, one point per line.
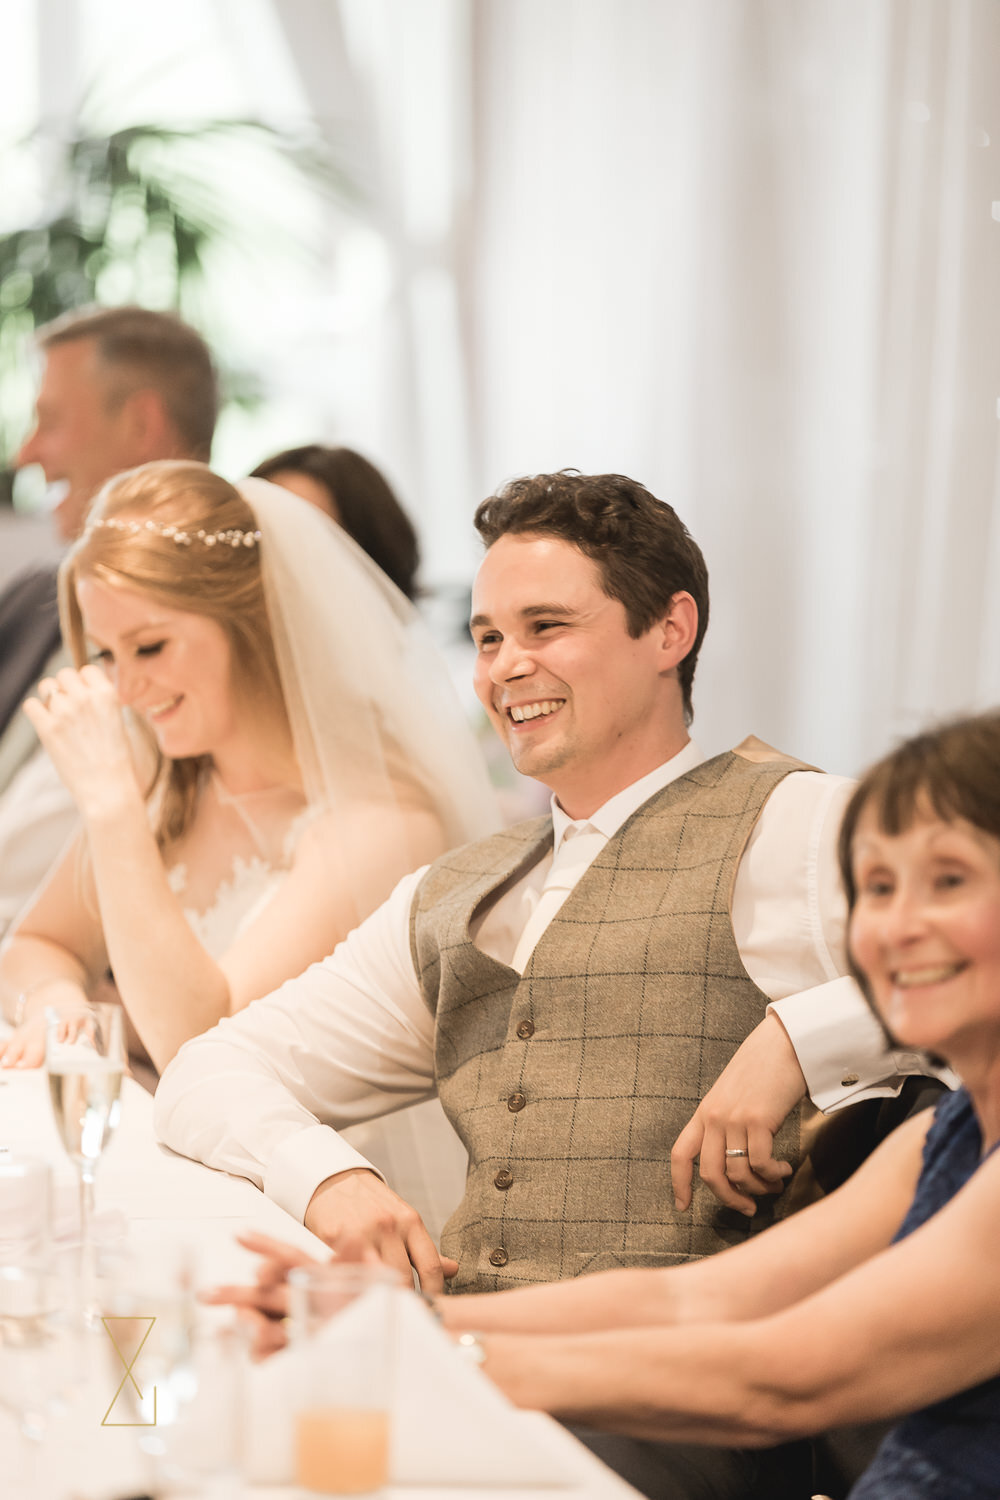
416	1149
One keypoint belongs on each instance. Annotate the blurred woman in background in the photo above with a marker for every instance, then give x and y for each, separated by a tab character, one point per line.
353	492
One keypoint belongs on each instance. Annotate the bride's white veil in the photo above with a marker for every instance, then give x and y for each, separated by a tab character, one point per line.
373	715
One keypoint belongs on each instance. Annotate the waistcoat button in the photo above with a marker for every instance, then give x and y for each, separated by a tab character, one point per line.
504	1178
498	1257
525	1029
516	1102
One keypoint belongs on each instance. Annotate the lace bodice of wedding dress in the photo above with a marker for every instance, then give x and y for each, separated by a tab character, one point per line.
237	901
235	859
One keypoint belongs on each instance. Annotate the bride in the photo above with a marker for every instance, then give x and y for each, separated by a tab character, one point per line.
260	742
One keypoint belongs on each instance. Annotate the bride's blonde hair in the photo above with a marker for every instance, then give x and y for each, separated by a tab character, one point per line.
180	533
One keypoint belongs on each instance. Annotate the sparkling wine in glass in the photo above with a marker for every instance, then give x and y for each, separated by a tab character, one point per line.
85	1059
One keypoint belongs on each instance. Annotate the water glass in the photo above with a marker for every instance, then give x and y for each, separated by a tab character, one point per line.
148	1311
183	1393
41	1367
198	1441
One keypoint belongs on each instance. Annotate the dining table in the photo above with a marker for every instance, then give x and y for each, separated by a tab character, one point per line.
151	1200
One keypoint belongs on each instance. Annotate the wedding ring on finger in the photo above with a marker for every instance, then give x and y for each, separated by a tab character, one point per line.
734	1151
47	691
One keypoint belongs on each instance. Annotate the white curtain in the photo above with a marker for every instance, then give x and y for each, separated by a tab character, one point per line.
743	250
747	251
391	83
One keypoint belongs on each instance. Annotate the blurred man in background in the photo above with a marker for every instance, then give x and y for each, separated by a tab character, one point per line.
120	387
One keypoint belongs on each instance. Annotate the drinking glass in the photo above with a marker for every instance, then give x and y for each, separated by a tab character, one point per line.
183	1396
342	1340
40	1366
85	1059
148	1300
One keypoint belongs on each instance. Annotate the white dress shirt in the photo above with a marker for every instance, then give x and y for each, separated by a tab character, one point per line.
352	1038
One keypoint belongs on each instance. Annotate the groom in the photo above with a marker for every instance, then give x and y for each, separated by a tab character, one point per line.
572	987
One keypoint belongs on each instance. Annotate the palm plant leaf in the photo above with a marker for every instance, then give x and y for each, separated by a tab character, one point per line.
135	216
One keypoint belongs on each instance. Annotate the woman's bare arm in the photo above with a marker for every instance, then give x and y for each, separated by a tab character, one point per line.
52	958
171	986
914	1322
766	1274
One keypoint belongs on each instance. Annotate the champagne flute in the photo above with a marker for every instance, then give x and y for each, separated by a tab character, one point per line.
85	1059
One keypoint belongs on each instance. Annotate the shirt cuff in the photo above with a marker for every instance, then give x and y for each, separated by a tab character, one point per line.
303	1161
842	1049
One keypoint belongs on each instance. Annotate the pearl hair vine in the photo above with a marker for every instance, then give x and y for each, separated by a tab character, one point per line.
177	534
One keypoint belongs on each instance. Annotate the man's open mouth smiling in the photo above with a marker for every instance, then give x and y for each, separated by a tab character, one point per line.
522	713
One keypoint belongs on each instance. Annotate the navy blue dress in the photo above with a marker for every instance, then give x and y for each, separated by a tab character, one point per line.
951	1450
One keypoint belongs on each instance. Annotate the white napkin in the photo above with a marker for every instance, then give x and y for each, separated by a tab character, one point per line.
450	1424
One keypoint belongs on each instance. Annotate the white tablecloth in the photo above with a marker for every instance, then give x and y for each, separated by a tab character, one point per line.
165	1198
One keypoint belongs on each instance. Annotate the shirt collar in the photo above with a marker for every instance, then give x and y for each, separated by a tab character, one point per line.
610	817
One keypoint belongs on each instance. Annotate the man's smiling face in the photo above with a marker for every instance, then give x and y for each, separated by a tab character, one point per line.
581	705
82	434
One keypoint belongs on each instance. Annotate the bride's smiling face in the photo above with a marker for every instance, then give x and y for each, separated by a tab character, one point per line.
170	666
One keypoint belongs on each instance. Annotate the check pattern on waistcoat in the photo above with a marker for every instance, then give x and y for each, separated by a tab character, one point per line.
569	1084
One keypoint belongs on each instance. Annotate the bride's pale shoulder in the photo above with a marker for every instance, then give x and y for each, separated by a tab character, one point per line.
362	827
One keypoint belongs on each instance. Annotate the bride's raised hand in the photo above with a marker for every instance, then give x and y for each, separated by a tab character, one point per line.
78	718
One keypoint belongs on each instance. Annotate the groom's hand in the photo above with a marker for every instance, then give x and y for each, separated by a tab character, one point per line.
742	1112
356	1207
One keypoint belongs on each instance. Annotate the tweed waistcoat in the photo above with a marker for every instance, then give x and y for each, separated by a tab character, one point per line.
569	1084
